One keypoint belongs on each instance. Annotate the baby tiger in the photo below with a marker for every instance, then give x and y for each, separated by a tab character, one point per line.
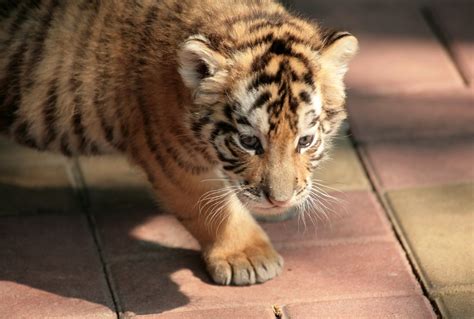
227	105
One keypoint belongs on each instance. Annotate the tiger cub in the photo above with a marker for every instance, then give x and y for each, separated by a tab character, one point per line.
226	105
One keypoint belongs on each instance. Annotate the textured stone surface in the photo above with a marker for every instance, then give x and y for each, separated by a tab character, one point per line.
135	232
457	305
342	171
13	152
49	267
352	216
33	182
112	182
446	113
260	312
411	163
455	20
438	225
176	280
398	51
414	307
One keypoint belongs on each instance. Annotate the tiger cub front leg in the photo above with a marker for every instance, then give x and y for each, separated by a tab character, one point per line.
235	248
241	253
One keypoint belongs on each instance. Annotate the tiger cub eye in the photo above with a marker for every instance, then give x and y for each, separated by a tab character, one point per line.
305	141
250	142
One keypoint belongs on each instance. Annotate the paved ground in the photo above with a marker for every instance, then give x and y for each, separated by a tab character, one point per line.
83	238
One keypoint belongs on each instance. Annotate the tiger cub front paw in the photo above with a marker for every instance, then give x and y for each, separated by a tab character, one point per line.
247	267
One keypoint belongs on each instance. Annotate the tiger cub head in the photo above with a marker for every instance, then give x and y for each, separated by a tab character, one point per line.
267	105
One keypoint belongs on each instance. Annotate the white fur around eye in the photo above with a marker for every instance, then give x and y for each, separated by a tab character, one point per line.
308	113
313	131
317	103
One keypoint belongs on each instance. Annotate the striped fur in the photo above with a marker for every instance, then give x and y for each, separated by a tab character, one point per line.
177	86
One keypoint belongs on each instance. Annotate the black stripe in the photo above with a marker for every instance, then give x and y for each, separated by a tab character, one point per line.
292	101
190	145
39	43
21	16
185	165
241	169
260	101
222	128
49	114
339	36
10	97
23	136
333	36
305	97
93	149
75	80
228	112
231	147
102	79
243	121
255	42
151	17
287	37
273	24
65	149
265	79
7	7
222	158
78	127
198	125
256	15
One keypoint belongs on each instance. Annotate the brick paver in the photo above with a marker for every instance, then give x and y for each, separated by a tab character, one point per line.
43	179
343	170
456	24
457	304
438	224
412	163
350	217
389	307
398	51
49	268
433	114
176	280
260	312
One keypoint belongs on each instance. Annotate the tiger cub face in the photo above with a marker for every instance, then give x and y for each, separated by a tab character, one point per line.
268	112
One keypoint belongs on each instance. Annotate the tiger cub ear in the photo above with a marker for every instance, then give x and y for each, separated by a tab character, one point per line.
339	47
198	61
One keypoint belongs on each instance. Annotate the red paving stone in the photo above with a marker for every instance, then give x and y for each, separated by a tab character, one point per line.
398	51
156	270
413	307
353	216
50	268
399	164
259	312
455	20
176	280
446	113
141	232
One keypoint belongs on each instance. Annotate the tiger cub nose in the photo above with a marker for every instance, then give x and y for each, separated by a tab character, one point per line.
280	203
285	202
